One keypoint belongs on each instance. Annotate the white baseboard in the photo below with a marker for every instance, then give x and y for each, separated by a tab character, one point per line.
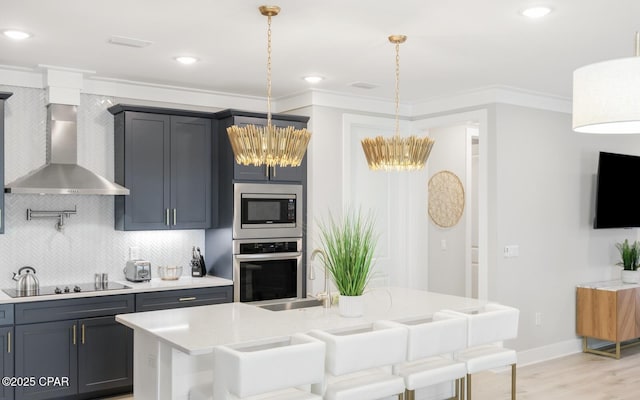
549	352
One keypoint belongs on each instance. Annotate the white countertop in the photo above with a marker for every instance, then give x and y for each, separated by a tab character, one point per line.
197	330
609	285
155	284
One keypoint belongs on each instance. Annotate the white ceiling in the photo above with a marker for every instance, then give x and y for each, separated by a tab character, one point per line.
453	46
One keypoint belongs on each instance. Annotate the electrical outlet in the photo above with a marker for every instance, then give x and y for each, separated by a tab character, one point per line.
134	253
538	319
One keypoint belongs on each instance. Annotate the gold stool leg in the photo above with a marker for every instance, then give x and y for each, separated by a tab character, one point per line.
409	394
468	386
462	388
513	382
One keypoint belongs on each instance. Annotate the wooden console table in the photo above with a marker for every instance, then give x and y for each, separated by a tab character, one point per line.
608	311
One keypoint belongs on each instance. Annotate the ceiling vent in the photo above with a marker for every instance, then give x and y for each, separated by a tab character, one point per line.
364	85
129	42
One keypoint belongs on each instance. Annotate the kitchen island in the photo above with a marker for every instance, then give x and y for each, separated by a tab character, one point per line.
173	348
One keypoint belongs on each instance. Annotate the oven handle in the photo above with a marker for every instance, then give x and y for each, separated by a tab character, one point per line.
267	256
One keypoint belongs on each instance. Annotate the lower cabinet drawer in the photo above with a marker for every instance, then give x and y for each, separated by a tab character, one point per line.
6	314
183	298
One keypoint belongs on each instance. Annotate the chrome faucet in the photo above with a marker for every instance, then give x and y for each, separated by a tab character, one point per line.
326	295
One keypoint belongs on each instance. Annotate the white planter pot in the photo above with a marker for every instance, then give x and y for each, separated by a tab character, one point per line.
630	276
351	306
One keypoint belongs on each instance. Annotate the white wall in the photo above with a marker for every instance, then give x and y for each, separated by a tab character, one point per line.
448	246
544	185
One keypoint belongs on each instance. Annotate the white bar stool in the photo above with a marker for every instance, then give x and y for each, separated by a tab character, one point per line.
430	348
358	362
487	328
276	368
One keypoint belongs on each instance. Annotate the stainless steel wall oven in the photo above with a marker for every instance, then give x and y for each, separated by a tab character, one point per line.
267	269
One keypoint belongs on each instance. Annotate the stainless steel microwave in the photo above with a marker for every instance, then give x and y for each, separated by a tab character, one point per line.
264	210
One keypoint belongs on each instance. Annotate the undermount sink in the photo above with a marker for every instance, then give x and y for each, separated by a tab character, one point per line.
292	305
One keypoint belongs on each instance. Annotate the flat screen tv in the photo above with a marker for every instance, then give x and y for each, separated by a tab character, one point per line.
617	191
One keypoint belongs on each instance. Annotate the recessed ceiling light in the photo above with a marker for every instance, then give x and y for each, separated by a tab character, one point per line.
313	79
536	12
16	35
187	60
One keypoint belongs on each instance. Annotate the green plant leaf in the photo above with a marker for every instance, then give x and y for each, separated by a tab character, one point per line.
349	244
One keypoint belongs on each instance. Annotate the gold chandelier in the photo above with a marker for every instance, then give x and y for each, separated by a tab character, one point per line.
397	153
268	145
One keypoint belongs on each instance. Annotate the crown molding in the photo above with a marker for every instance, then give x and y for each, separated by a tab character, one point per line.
493	94
34	78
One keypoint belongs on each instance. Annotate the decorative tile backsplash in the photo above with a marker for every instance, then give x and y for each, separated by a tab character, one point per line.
88	243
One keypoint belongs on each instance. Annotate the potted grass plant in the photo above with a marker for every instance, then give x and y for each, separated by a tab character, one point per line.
348	246
629	260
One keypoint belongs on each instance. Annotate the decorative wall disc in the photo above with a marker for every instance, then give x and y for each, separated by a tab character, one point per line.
446	199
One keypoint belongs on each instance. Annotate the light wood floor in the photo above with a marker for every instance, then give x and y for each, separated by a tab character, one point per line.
578	376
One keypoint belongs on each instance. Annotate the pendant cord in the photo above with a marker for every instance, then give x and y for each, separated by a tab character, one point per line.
269	71
397	89
637	44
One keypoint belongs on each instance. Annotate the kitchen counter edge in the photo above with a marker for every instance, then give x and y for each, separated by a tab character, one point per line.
155	285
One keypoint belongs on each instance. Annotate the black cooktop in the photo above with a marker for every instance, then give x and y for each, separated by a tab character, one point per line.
65	289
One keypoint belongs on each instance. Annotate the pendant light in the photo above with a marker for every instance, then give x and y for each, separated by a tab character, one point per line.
397	153
606	95
268	145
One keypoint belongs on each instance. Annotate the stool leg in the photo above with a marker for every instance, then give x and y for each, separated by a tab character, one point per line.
404	396
468	386
462	388
457	390
513	382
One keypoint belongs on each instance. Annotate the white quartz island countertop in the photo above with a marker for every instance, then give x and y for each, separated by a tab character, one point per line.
197	330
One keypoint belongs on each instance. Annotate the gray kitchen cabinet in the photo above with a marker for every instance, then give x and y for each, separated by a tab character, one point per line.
165	158
7	338
77	340
249	172
6	360
105	355
162	300
46	350
3	96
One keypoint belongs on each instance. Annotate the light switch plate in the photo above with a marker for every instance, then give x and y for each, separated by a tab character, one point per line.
511	251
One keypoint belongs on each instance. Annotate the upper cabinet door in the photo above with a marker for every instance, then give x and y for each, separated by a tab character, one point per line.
165	158
190	173
147	170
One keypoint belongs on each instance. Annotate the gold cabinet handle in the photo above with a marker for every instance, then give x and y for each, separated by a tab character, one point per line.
9	342
82	334
266	171
273	169
175	216
187	298
0	217
166	217
74	334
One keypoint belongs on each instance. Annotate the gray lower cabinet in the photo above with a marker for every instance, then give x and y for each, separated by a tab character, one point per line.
3	97
77	341
8	349
162	300
47	350
105	355
166	162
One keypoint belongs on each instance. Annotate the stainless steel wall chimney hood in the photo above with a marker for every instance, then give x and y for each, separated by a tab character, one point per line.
62	174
